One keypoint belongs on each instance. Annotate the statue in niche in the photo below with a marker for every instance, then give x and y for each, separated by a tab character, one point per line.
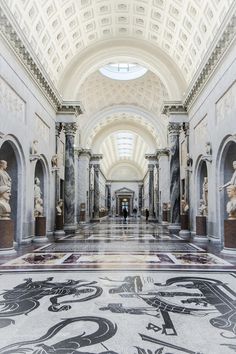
34	147
202	208
5	209
59	207
205	192
233	178
231	205
5	179
54	161
164	206
38	201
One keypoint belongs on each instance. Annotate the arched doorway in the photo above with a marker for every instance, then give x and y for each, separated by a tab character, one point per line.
10	153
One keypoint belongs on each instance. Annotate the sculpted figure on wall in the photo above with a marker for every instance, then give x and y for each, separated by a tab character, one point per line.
59	207
5	209
38	201
5	179
202	208
233	179
205	192
231	205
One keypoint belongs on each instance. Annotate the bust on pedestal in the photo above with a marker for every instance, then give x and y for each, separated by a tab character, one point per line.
59	232
40	220
6	224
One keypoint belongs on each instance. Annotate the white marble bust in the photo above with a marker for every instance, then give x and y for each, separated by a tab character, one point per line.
5	209
231	205
233	178
5	179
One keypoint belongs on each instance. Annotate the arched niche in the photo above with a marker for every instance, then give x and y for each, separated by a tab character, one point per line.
9	152
203	174
227	156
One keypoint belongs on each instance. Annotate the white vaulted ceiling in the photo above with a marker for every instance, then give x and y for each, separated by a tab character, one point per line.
99	92
59	30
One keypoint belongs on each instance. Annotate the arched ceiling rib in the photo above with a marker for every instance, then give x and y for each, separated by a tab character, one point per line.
58	30
99	92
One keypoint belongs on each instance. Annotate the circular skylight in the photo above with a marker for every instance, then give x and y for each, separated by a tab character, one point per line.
123	71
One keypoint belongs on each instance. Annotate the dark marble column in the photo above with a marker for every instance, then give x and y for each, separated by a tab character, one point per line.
96	190
151	189
69	190
140	197
108	188
174	129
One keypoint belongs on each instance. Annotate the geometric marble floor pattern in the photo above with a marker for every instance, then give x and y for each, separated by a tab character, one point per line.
115	288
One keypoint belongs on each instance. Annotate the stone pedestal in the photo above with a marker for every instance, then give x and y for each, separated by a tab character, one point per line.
40	229
6	237
201	229
165	216
184	222
229	236
59	232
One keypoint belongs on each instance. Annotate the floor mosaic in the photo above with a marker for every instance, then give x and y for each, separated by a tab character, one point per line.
117	313
117	260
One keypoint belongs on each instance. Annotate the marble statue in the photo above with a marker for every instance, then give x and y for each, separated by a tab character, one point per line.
184	206
5	179
5	209
233	178
202	208
231	205
205	191
38	201
54	161
34	147
59	207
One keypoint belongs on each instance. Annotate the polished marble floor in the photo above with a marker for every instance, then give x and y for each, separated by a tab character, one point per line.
118	288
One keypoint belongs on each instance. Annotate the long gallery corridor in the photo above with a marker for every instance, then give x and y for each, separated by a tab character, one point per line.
118	287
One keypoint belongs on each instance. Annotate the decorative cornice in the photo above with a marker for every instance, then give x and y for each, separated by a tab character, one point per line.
150	157
173	107
217	50
32	65
70	107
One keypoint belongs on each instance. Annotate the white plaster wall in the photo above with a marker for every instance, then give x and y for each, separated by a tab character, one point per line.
83	183
216	127
22	128
164	179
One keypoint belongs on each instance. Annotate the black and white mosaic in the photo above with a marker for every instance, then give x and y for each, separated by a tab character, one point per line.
117	313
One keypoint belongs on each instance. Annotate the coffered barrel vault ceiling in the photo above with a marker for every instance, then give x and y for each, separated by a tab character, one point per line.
58	30
73	39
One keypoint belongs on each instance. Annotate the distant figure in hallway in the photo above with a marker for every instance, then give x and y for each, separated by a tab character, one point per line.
135	212
147	214
5	179
233	179
125	213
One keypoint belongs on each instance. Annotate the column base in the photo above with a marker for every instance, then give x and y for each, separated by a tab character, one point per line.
59	234
40	239
200	238
70	228
7	251
185	234
229	251
174	228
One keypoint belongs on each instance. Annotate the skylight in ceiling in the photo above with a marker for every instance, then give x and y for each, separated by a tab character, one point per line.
124	144
123	71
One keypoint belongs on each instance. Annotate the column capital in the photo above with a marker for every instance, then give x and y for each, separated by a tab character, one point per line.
95	158
70	128
83	152
163	152
58	128
174	128
152	158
